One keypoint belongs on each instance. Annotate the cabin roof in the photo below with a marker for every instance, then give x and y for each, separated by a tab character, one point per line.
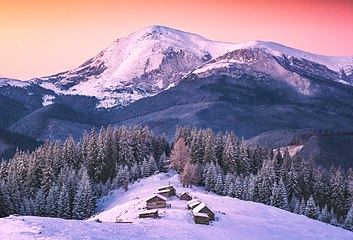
164	191
185	193
200	215
167	186
156	195
200	207
150	211
192	201
193	204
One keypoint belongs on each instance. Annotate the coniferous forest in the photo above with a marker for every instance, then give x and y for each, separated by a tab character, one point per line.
65	179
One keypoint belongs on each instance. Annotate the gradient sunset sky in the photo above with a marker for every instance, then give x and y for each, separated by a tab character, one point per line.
43	37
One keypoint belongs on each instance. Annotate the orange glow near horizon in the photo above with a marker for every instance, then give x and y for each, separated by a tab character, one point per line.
43	37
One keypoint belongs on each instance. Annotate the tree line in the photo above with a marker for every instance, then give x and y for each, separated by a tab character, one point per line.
226	165
65	179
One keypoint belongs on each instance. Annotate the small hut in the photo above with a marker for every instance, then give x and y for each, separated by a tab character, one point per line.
167	190
202	208
156	201
193	203
185	196
201	218
149	214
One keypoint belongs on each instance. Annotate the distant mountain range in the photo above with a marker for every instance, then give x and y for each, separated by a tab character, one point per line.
163	78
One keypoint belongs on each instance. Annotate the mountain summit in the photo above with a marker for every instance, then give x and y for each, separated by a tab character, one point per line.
156	58
139	65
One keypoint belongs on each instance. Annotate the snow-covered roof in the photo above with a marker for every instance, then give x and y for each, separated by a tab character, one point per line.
200	207
166	187
200	214
156	195
150	211
192	201
185	193
163	191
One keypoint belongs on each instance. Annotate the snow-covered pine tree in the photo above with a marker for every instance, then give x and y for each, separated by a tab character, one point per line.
245	163
292	183
348	221
68	152
229	156
338	196
145	169
109	165
238	191
64	203
84	202
152	165
197	147
349	184
209	147
311	210
218	148
324	215
39	201
164	162
228	180
92	158
3	171
135	172
219	185
4	211
279	196
51	203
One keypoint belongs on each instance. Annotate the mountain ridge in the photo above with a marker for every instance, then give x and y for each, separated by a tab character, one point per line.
154	59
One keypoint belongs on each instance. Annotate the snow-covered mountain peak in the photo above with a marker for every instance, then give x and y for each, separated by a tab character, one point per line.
156	58
139	65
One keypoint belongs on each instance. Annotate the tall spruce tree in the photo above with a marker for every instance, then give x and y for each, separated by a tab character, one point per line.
84	202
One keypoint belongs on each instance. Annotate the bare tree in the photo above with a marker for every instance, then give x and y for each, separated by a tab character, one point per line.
179	156
186	175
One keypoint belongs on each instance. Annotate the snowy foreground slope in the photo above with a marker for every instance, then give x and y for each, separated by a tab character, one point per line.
235	219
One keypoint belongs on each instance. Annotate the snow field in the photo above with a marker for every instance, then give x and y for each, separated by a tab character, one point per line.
235	219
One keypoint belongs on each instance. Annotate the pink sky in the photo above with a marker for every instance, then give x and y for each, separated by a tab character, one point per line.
43	37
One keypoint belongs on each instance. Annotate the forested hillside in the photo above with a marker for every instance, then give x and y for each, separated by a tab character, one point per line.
65	179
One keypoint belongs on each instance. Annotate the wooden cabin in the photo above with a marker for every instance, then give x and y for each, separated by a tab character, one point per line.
170	188
201	218
185	196
165	193
149	214
193	203
156	201
202	208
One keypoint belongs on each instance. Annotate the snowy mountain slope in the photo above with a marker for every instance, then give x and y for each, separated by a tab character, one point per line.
338	69
13	82
139	65
332	62
235	219
156	58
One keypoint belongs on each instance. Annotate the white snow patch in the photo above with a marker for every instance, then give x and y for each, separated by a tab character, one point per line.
209	67
50	86
292	149
47	100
